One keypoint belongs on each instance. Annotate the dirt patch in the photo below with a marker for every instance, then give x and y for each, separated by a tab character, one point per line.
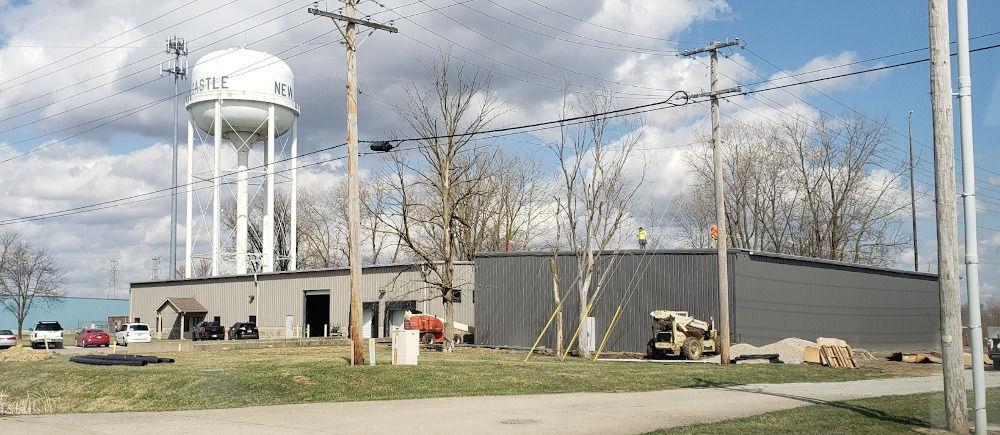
881	361
24	354
302	380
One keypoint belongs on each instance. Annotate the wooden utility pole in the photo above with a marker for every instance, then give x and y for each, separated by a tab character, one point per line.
913	197
947	222
720	198
353	187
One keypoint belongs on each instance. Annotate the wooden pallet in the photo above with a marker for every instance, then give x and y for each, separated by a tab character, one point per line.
837	356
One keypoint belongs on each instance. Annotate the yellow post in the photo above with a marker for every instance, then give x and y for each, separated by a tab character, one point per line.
614	319
575	333
308	330
540	334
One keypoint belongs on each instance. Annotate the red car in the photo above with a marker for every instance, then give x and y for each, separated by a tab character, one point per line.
93	337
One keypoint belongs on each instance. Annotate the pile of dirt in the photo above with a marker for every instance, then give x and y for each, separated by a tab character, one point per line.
789	350
24	354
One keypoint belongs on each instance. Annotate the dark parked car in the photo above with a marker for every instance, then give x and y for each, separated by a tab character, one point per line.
208	331
994	351
243	331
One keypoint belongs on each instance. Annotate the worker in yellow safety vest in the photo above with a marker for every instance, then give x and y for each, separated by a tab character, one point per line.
642	238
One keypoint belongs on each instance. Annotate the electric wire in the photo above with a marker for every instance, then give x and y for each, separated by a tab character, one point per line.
101	42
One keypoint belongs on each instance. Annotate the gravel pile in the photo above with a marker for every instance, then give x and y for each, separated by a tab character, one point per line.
789	350
24	354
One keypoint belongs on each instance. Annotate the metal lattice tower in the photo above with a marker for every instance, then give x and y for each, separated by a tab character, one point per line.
113	279
154	272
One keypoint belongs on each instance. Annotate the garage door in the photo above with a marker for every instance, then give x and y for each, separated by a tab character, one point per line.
367	316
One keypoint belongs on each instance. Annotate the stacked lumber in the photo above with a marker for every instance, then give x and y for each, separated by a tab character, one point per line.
830	352
837	356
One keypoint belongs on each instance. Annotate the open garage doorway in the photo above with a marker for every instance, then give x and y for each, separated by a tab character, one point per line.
317	312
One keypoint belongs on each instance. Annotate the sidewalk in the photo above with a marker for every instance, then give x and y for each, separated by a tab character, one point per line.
551	413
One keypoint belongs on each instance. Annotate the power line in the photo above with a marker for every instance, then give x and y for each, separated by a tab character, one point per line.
613	45
609	28
145	68
101	42
196	16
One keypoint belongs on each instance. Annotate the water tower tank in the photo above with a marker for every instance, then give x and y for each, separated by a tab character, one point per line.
246	81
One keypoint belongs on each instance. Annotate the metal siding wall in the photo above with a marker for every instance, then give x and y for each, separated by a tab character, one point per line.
876	310
282	294
514	299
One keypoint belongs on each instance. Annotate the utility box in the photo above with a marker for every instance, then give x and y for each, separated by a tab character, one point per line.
590	339
405	347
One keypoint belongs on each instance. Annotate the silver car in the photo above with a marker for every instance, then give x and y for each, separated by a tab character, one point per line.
7	339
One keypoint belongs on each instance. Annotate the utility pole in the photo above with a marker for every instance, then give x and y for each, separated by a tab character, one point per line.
969	201
353	188
947	221
720	198
913	198
178	47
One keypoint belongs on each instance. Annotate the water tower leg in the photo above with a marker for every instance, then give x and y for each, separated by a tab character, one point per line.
241	208
189	197
294	199
268	242
217	189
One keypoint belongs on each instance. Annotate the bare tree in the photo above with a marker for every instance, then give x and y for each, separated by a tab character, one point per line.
817	189
598	192
424	206
323	226
29	277
255	230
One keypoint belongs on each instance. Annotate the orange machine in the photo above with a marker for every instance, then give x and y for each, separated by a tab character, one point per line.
431	328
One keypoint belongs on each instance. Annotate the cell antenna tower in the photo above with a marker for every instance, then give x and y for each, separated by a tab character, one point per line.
113	279
177	68
241	96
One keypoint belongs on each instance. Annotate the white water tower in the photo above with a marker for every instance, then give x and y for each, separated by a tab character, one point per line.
244	97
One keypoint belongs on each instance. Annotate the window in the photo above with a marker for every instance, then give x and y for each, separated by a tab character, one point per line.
253	320
48	326
456	295
139	328
137	320
217	319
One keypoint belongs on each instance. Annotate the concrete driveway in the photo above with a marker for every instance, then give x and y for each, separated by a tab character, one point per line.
598	413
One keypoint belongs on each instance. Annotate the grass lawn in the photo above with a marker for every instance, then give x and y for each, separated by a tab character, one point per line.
888	414
320	374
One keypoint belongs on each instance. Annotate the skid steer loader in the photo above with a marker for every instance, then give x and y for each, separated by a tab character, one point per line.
675	333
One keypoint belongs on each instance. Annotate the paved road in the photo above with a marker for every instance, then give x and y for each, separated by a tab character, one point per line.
601	413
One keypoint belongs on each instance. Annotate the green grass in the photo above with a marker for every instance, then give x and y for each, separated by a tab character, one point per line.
888	414
321	374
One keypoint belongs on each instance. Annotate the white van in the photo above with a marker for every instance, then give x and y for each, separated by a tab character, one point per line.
132	333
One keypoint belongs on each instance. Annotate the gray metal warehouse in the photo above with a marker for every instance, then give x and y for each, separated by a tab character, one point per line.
287	304
773	297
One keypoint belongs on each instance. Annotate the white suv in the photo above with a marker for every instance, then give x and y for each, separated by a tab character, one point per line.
47	334
132	333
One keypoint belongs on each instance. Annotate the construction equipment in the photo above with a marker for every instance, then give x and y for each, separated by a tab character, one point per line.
675	333
431	328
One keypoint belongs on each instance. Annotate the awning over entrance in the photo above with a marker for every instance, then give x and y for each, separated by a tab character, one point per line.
183	305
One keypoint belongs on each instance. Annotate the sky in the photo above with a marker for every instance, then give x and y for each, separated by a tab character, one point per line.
85	115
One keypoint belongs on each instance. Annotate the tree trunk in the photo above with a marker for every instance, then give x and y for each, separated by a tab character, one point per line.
584	335
554	268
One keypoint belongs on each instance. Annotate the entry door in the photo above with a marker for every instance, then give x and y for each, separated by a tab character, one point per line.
289	326
367	316
396	319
